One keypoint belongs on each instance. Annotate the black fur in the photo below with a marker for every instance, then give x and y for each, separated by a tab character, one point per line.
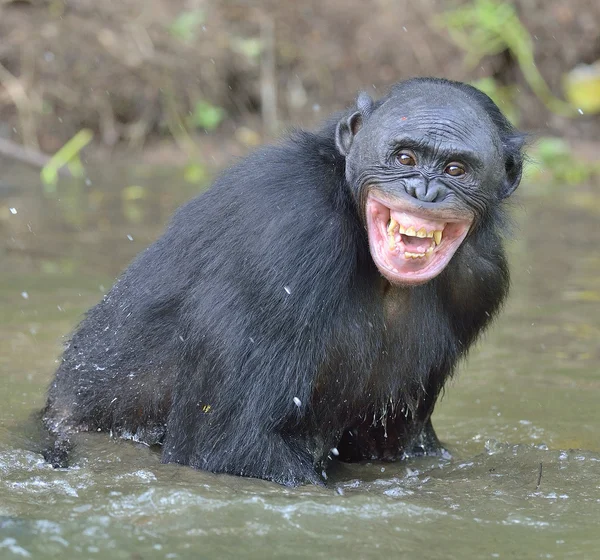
257	334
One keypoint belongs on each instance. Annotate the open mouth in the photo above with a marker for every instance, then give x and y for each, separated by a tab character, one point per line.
411	246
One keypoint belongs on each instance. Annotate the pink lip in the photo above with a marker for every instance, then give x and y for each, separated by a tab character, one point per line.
393	261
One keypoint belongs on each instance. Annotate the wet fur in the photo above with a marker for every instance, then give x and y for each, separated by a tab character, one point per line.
262	293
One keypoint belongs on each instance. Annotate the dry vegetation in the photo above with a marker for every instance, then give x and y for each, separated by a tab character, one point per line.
134	69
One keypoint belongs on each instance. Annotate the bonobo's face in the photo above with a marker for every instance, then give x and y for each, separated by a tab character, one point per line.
425	165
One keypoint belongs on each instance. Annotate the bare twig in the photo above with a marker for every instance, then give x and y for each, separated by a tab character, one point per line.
268	84
27	155
24	105
539	480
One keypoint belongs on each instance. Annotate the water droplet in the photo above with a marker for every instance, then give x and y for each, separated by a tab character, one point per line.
297	402
24	295
13	210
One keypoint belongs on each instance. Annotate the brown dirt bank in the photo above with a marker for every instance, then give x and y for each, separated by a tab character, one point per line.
133	70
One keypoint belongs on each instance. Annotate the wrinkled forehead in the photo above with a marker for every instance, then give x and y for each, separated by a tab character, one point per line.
437	115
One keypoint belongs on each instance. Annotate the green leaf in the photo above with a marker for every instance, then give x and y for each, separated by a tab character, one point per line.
186	25
206	116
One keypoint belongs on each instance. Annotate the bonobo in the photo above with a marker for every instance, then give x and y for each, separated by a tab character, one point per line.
313	302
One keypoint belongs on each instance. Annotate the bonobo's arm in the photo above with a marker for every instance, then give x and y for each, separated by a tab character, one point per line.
426	443
400	433
471	292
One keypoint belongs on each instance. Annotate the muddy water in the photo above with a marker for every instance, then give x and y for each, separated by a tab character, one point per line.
522	418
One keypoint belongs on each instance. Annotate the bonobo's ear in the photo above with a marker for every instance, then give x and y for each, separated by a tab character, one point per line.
349	126
513	164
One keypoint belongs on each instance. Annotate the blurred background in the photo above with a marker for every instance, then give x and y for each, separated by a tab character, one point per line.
115	112
141	72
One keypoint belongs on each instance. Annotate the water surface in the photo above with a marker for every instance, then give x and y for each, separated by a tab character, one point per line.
522	418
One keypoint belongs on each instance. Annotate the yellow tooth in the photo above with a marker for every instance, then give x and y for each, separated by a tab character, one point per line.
422	232
430	234
401	229
391	242
429	250
391	226
411	231
437	236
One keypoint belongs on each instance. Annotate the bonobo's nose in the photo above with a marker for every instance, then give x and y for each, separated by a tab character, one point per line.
425	190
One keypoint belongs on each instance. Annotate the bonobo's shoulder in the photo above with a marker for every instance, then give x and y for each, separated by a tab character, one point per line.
298	176
294	154
297	168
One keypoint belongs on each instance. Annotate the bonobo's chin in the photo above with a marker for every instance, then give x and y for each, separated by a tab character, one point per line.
411	243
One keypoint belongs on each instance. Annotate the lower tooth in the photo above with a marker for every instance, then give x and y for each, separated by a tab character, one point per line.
391	243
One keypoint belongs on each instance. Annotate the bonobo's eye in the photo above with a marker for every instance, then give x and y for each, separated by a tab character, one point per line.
406	158
455	169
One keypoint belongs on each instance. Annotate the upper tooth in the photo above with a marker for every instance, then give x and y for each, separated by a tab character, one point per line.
411	231
437	236
422	232
430	234
401	229
393	223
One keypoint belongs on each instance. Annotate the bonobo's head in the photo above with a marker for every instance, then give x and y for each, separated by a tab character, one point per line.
427	164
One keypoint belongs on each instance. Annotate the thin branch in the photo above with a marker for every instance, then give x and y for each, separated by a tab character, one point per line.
21	100
29	156
268	82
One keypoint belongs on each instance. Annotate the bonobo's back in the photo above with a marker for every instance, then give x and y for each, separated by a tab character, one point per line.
118	369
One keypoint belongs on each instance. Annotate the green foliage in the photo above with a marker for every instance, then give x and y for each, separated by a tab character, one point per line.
185	26
554	157
582	87
195	173
67	155
251	48
490	27
206	116
503	96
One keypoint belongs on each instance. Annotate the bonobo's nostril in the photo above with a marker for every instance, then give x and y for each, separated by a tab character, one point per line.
424	190
428	193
